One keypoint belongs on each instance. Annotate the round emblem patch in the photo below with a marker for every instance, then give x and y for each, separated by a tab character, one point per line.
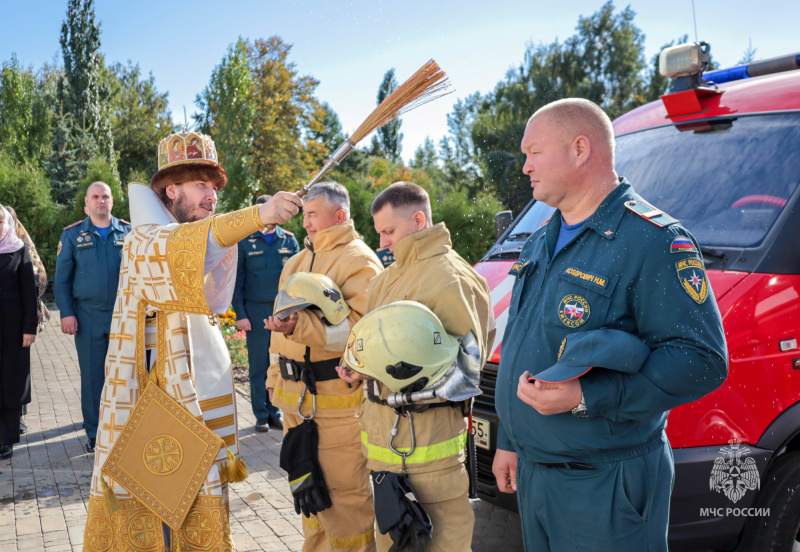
574	310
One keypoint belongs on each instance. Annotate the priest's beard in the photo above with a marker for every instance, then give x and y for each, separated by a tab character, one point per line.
184	211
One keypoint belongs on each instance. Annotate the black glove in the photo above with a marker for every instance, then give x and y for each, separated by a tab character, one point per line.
399	513
299	459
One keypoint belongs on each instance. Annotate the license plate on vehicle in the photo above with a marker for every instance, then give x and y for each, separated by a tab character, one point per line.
483	430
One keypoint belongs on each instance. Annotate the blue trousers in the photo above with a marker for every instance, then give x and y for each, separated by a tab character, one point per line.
258	358
619	507
91	341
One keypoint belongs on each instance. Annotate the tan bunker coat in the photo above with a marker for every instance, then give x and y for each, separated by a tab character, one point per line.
428	271
341	254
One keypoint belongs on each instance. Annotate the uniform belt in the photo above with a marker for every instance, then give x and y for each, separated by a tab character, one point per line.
567	465
324	370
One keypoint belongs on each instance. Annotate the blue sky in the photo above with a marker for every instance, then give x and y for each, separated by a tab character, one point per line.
349	45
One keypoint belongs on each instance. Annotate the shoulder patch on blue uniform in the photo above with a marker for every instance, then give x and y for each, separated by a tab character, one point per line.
595	279
682	244
692	276
650	213
59	248
520	267
73	225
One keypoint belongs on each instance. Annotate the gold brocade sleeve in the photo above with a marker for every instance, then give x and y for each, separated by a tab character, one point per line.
233	227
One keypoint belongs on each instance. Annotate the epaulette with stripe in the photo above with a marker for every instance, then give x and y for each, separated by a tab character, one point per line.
650	213
73	225
287	232
125	222
545	222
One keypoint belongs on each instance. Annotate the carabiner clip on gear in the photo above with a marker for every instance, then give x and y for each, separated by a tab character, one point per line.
403	454
313	405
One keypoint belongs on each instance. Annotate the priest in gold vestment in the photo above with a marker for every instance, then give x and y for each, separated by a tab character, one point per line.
178	271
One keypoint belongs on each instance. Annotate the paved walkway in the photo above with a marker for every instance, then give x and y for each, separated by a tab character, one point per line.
44	488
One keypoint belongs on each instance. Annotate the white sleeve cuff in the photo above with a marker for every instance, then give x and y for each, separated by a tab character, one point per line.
336	336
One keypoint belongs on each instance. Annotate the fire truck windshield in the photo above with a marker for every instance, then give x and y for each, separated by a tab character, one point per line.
726	183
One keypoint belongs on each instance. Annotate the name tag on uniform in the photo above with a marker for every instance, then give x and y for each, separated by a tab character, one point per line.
588	277
119	243
284	251
85	244
251	253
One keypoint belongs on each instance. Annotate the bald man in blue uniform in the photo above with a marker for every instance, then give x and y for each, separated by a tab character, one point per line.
261	259
589	458
85	286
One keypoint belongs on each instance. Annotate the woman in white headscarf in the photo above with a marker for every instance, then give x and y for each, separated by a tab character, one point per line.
17	332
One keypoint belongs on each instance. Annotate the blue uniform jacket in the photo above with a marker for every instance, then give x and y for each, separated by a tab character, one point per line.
87	267
259	268
623	272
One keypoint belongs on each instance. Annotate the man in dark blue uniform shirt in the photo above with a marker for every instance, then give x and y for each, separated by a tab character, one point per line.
589	457
87	274
261	259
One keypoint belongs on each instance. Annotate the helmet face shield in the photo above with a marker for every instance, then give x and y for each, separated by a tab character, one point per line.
403	345
307	289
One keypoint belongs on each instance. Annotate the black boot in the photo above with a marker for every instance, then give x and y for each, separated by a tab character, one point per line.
6	451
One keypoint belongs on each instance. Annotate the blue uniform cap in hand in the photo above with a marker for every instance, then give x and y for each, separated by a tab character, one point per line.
604	348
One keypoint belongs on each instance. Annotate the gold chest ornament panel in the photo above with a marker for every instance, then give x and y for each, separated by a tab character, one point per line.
163	455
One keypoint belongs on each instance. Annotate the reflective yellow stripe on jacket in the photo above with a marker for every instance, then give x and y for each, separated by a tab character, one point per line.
353	400
421	454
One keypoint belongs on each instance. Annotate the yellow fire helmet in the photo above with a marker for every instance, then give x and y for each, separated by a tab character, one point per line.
307	289
403	345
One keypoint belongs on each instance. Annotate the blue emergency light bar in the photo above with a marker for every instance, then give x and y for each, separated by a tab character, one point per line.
756	69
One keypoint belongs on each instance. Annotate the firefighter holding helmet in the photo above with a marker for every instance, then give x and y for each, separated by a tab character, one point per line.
422	449
322	295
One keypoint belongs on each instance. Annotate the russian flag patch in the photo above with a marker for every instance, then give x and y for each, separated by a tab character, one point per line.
682	244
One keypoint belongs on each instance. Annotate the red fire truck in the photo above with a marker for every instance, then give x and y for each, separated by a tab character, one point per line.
721	153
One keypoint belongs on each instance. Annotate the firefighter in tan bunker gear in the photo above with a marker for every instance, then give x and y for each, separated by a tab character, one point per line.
334	248
460	299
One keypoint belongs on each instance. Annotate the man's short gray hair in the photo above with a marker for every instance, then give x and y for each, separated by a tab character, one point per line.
333	192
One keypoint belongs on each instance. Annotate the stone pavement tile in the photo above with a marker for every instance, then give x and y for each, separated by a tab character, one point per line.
281	527
271	544
245	543
56	536
58	547
32	542
29	526
257	529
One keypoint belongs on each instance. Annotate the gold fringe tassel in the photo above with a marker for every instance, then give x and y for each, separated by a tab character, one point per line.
110	503
236	471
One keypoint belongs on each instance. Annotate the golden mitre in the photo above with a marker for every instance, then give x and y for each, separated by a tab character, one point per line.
188	148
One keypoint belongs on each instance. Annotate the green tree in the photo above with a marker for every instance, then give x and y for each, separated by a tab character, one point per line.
140	119
425	156
603	62
25	113
72	149
25	187
227	113
387	141
283	152
83	90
